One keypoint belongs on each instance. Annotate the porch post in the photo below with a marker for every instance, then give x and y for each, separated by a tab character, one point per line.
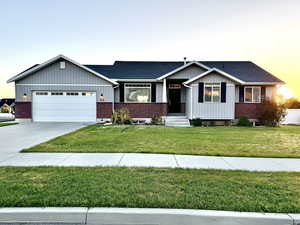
164	97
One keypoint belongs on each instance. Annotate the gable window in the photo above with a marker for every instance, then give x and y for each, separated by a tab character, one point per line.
252	94
137	92
212	92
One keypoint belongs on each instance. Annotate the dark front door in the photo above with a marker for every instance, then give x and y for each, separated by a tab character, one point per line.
174	101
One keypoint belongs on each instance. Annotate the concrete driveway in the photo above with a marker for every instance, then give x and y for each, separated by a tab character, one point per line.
17	137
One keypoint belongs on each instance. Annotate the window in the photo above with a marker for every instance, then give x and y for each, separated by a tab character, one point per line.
62	65
137	92
41	93
57	93
252	95
212	92
72	93
88	93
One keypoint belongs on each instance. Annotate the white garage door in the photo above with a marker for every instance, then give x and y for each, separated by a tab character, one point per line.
55	106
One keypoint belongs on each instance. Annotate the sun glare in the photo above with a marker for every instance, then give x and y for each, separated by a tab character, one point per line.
284	92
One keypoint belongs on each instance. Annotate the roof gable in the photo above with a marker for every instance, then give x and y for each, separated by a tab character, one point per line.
211	71
48	62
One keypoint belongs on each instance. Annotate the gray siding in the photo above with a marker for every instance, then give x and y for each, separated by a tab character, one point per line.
212	111
187	73
117	94
54	78
72	74
159	92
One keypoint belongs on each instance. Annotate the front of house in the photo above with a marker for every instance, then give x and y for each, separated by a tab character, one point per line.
63	90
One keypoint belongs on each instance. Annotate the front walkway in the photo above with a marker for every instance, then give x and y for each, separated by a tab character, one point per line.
150	160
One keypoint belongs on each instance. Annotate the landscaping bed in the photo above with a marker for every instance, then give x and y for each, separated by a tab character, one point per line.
150	188
215	141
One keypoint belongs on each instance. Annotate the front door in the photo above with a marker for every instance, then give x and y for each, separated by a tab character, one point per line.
174	101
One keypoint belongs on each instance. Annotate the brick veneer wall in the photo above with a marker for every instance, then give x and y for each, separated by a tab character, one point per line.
23	110
251	110
144	110
104	109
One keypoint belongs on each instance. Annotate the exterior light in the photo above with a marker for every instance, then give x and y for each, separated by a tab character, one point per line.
102	97
24	96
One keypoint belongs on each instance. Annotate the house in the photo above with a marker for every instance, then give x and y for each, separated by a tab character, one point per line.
62	89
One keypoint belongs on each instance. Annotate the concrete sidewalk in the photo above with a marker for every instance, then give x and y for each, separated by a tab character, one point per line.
142	216
149	160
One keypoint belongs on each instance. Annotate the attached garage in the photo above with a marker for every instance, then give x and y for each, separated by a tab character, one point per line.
63	106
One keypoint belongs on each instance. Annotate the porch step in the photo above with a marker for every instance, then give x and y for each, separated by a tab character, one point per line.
177	121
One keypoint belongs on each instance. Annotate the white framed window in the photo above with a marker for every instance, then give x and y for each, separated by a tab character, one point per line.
88	93
41	93
212	92
252	94
137	92
72	93
57	93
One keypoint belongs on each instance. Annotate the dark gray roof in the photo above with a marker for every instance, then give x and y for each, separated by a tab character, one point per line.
243	70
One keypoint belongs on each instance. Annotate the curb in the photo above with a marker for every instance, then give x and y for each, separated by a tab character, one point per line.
118	216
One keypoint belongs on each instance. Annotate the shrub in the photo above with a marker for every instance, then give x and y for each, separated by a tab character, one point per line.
197	122
121	116
5	108
156	120
272	113
244	121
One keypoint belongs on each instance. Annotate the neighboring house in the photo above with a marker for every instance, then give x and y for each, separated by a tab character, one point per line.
61	89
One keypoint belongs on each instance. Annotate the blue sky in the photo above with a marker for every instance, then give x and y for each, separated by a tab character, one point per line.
264	31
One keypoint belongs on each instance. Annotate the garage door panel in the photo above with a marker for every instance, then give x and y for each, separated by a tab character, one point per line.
63	108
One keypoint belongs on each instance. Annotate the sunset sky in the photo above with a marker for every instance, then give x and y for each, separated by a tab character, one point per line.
266	32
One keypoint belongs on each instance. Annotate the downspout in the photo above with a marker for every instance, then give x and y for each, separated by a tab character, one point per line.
191	99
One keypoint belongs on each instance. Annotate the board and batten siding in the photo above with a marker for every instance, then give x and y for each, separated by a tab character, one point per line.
188	73
72	78
212	111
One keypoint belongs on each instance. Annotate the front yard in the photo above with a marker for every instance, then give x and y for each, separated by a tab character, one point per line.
216	141
150	188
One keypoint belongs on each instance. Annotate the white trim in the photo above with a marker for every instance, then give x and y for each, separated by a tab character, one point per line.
252	87
73	85
183	67
149	87
214	70
164	92
136	80
19	76
264	83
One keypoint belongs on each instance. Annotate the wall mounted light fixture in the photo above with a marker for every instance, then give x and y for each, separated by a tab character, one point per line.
102	97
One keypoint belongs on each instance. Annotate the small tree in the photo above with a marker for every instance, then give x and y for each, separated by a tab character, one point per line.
121	116
272	113
5	108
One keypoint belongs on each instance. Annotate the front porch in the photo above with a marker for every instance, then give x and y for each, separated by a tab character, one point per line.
175	96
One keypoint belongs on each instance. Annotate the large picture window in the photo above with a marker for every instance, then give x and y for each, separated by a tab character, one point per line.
252	94
137	92
212	92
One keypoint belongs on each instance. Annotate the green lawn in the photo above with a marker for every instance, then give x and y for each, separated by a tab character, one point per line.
225	141
150	188
3	124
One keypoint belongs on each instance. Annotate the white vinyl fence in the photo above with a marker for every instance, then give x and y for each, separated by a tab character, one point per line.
292	117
